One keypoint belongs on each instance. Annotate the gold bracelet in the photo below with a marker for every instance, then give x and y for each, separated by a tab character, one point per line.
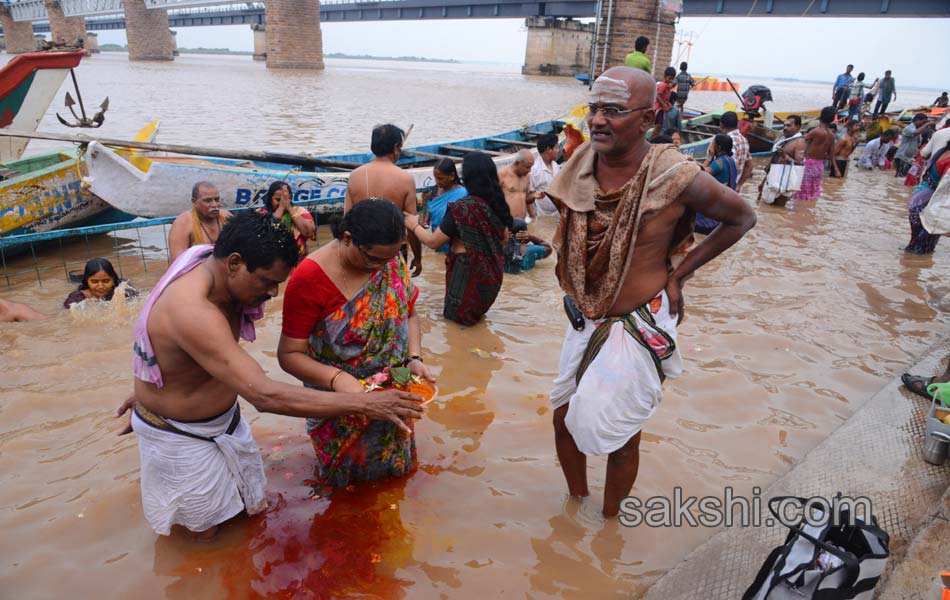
333	379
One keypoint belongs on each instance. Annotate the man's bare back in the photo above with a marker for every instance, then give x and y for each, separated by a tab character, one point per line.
381	179
819	143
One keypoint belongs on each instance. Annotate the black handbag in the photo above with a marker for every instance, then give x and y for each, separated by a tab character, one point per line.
792	571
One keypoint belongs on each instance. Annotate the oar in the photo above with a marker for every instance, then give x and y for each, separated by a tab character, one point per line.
273	157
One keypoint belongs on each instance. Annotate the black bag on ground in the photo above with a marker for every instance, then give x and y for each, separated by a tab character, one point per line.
826	562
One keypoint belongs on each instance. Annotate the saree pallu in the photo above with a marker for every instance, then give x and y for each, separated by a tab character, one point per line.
473	279
362	337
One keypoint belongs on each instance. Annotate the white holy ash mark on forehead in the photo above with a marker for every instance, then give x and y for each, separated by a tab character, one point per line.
609	90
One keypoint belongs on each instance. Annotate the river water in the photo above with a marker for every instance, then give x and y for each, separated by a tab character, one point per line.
786	336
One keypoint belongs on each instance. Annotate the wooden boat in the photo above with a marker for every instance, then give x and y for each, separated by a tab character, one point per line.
699	132
160	184
45	192
28	84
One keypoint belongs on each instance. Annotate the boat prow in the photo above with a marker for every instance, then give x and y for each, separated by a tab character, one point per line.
28	84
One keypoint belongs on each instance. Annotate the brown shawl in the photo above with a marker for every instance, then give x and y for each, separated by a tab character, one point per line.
598	230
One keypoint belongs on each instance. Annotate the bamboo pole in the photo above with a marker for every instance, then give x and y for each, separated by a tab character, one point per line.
273	157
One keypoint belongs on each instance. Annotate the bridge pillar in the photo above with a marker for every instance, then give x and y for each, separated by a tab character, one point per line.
63	28
294	40
557	47
92	42
18	36
147	31
260	41
630	20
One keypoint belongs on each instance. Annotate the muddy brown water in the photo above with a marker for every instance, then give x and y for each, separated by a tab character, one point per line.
786	335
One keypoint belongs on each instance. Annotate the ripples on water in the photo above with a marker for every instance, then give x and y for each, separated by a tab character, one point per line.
785	336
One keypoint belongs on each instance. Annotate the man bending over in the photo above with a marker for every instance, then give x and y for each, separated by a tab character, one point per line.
200	463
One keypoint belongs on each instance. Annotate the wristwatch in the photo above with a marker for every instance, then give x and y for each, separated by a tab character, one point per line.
413	357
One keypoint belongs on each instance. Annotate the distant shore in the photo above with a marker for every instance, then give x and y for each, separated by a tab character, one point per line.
119	48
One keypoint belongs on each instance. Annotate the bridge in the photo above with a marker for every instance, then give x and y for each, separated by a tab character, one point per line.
109	14
287	32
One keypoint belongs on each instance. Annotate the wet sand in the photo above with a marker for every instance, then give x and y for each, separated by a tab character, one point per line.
786	335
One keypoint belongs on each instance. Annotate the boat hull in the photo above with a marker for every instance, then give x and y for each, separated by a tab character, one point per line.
49	193
160	186
46	197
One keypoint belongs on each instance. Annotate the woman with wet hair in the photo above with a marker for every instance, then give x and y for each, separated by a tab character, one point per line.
99	281
476	227
349	313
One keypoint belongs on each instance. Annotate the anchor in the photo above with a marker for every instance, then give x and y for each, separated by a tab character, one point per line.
84	121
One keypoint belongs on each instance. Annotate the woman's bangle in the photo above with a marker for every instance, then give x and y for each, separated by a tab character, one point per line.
413	357
333	379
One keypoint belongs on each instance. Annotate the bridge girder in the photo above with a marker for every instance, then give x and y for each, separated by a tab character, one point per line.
86	8
28	10
388	10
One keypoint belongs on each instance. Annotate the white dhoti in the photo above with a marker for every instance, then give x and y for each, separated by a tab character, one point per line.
621	387
199	483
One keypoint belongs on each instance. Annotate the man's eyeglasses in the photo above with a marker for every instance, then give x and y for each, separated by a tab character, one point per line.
612	112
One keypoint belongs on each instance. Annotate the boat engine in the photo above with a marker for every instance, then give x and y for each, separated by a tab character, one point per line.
754	97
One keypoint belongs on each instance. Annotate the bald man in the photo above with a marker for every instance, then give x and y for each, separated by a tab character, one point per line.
516	183
627	209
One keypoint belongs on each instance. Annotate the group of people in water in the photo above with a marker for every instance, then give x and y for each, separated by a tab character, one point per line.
624	245
624	249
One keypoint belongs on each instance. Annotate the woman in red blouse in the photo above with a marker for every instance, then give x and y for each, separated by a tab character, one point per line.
349	312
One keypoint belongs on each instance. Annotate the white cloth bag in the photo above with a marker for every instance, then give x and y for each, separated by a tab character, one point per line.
782	181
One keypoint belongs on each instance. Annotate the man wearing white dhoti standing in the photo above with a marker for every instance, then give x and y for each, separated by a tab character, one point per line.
626	208
200	463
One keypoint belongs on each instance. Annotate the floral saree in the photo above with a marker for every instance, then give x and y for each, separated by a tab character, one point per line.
366	334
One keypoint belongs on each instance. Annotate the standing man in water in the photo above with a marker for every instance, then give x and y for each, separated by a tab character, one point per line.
839	92
381	178
516	184
819	147
200	225
200	463
626	207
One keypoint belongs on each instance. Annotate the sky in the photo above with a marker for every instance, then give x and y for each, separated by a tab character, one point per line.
916	50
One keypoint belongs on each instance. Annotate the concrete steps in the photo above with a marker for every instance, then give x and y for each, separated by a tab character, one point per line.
875	453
